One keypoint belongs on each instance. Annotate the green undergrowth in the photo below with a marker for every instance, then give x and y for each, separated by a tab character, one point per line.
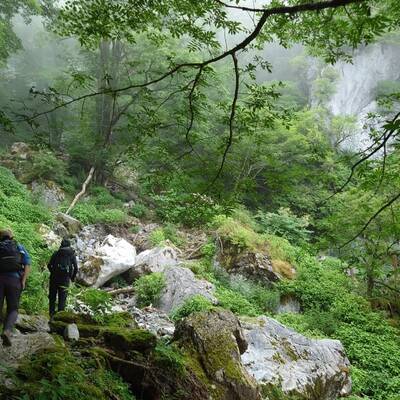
194	304
148	288
22	214
60	374
332	309
168	232
100	206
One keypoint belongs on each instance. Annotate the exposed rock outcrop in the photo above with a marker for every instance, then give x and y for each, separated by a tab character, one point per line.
255	265
20	150
279	357
48	192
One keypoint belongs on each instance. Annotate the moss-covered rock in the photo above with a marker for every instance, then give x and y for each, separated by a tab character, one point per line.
213	342
69	317
129	339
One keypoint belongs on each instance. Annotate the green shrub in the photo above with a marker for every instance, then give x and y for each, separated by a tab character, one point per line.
138	210
101	196
148	288
194	304
95	303
10	186
190	209
89	213
280	249
236	302
46	166
239	235
285	224
157	237
34	298
18	209
134	229
208	250
300	323
111	216
168	232
264	299
85	212
169	357
171	233
331	308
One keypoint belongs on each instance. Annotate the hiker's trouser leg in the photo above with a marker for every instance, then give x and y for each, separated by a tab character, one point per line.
62	296
11	291
53	287
2	297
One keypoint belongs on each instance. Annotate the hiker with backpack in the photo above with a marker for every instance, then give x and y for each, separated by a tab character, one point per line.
63	268
14	270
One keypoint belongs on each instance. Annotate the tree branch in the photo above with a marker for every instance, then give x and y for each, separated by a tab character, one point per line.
231	120
386	205
293	9
290	10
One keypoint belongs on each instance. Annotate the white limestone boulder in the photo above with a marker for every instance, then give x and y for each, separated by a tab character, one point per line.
103	259
307	368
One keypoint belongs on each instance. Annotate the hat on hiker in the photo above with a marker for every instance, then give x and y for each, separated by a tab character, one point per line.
6	234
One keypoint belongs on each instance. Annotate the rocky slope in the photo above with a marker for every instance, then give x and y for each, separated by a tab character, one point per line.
214	356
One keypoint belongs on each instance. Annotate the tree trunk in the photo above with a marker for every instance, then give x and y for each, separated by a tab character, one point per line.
110	56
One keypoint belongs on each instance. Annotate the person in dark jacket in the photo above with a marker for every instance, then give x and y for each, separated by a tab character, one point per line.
63	268
14	270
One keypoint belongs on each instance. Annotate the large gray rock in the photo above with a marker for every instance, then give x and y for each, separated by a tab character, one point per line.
72	225
215	340
48	192
102	258
154	260
182	284
309	368
23	347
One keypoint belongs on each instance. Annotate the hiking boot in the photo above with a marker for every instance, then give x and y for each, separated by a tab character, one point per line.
6	337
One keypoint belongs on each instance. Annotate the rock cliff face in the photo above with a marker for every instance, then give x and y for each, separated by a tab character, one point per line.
355	92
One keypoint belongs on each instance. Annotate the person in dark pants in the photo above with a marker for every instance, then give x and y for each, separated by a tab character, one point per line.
63	268
14	270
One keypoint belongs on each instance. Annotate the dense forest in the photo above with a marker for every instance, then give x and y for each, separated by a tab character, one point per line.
228	173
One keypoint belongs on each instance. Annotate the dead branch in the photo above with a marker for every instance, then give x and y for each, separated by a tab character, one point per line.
115	292
83	191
